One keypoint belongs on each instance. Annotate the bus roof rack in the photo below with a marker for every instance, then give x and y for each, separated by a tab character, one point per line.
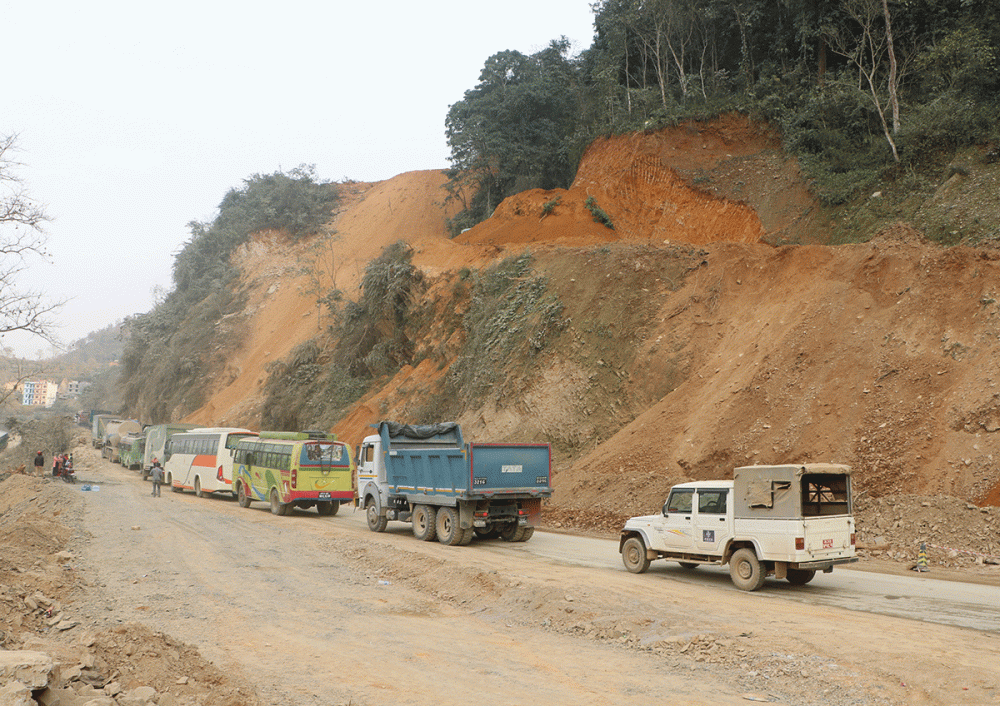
311	435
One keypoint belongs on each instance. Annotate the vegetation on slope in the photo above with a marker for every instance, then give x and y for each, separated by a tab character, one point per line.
864	93
172	350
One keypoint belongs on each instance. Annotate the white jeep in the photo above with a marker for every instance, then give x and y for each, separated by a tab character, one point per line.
787	521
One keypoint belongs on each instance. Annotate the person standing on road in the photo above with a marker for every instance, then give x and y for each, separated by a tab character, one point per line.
156	475
39	464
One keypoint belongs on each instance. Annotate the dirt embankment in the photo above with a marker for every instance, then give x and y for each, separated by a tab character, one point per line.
44	597
693	345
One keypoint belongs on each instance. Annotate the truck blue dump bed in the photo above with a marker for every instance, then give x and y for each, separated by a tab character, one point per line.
430	460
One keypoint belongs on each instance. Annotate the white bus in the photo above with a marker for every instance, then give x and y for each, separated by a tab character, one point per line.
202	459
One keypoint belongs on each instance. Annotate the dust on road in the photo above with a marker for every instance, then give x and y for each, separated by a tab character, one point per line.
311	610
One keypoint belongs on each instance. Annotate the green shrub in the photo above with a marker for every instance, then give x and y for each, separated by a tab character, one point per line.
598	213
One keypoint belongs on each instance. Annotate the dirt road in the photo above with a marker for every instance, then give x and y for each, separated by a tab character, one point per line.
313	610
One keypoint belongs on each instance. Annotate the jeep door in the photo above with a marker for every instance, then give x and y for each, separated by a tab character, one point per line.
711	519
676	531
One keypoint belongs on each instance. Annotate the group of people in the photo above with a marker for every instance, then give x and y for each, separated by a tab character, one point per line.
61	463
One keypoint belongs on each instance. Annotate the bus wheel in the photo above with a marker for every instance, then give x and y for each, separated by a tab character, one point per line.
197	488
241	495
376	521
277	507
328	509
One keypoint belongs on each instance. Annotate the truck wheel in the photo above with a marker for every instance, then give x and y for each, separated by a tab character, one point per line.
745	570
800	577
488	532
424	518
242	497
145	474
328	509
376	522
511	532
634	555
467	536
526	534
448	531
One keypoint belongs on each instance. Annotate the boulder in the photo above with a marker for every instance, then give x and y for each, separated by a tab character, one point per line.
30	668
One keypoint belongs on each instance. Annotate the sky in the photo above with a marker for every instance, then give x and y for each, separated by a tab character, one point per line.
134	119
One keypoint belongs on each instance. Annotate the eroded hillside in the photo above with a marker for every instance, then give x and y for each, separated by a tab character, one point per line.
687	341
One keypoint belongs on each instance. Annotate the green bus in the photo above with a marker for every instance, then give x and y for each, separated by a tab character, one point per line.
294	469
130	450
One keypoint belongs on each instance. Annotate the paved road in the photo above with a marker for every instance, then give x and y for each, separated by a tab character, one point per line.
918	597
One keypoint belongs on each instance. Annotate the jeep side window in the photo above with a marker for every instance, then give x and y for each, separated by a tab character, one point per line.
679	501
712	502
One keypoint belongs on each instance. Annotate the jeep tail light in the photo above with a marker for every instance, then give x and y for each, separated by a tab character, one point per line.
852	538
219	475
295	477
800	544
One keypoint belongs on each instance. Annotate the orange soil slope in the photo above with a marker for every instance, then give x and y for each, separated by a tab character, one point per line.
880	355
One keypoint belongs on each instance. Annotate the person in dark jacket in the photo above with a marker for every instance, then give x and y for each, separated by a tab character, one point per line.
156	475
39	463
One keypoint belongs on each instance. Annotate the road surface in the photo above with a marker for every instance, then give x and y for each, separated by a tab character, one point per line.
319	610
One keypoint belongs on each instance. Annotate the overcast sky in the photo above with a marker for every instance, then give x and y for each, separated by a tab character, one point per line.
136	118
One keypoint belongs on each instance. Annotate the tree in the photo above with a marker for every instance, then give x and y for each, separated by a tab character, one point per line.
513	130
21	236
867	49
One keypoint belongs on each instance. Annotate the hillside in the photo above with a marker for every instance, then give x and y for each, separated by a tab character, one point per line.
691	341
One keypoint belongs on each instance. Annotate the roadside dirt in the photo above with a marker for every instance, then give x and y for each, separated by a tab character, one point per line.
245	607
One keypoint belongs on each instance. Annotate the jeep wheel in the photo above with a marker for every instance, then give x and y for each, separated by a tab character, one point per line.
800	577
745	570
634	555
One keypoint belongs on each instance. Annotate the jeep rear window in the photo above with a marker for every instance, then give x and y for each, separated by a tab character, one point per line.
826	494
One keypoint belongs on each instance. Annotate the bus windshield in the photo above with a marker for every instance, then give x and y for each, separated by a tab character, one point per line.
322	454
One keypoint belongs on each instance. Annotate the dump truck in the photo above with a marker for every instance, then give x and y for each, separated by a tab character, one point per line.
449	490
787	521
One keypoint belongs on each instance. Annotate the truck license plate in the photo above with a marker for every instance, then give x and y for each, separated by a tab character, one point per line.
827	544
479	481
324	496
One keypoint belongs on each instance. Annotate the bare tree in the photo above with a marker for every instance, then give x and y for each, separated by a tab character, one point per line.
321	266
21	236
867	49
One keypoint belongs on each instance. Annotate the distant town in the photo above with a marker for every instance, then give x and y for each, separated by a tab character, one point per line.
44	393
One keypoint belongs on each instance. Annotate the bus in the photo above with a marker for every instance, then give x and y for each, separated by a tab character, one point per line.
202	459
156	442
130	450
294	469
